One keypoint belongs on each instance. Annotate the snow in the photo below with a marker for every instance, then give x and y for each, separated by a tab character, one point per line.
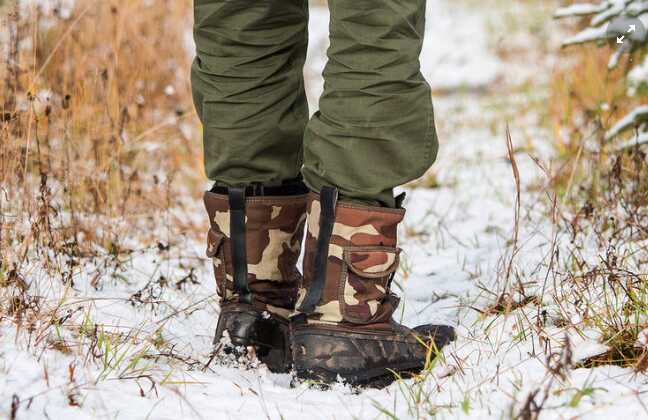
639	114
456	241
641	138
637	76
580	9
587	35
614	9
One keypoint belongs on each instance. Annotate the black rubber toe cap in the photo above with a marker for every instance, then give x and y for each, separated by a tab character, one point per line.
441	334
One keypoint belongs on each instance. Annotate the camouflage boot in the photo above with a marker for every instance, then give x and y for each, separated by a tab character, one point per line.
254	242
345	326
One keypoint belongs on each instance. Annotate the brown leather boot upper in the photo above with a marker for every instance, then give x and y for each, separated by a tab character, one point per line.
345	327
362	256
274	227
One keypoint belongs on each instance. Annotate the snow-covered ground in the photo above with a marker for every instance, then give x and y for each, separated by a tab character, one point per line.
151	324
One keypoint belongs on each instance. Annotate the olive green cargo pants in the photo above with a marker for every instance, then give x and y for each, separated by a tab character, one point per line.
375	127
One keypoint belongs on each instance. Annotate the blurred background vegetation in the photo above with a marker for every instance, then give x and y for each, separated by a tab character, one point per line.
97	130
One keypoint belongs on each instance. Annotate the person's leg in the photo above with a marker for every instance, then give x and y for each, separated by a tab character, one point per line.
249	93
375	127
374	131
248	88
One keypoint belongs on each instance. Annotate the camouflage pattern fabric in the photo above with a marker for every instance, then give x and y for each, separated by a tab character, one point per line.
362	258
274	232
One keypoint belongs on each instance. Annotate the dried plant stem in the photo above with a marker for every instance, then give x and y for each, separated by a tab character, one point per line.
516	227
12	77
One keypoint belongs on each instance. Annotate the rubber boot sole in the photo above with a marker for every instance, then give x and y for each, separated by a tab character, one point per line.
359	359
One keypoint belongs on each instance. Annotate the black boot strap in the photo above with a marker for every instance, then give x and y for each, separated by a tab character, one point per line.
237	243
328	202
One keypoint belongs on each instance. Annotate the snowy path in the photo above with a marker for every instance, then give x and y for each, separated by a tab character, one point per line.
456	241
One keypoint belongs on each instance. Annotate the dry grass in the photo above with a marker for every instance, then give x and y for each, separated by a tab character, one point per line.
96	131
97	125
604	197
96	134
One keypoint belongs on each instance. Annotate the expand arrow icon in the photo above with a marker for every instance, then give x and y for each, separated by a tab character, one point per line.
620	39
632	28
